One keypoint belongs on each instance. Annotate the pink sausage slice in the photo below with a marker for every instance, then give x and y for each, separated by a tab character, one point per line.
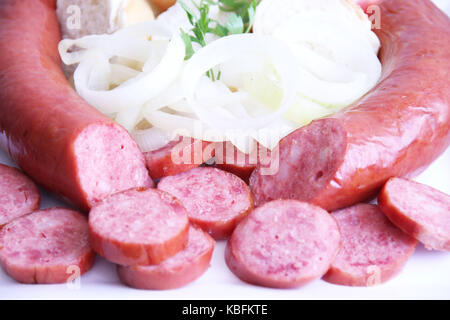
283	244
309	157
47	246
18	194
138	227
419	210
215	200
183	268
373	250
231	159
176	157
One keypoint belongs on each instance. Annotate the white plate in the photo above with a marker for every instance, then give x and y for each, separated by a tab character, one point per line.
425	276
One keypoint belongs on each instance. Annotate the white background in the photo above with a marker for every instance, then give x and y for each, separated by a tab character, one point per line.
425	276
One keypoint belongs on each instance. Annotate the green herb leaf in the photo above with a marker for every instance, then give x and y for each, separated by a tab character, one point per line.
235	24
188	44
232	5
188	11
240	20
251	11
219	30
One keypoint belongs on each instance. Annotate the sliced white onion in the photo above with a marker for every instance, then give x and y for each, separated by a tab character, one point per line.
226	49
121	73
136	91
131	48
341	88
306	60
333	43
216	93
338	42
183	126
233	69
175	18
335	93
270	14
241	140
170	96
99	78
270	136
303	111
151	139
181	106
236	108
132	43
128	117
321	67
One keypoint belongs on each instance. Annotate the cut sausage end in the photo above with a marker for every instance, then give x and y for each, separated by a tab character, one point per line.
18	194
419	210
283	244
108	161
138	227
373	250
48	246
308	161
175	272
176	157
231	159
243	171
215	200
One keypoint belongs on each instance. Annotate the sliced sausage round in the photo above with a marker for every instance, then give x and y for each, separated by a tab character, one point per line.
183	268
419	210
18	194
177	156
47	246
283	244
215	200
308	157
138	227
373	250
231	159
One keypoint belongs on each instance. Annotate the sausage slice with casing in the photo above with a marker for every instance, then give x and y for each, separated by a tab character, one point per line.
138	227
283	244
419	210
176	157
47	246
215	200
18	194
177	271
373	250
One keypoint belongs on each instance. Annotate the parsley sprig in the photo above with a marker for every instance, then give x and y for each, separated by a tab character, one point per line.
240	20
243	13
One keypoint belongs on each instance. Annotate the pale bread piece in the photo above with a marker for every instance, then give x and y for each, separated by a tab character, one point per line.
100	16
